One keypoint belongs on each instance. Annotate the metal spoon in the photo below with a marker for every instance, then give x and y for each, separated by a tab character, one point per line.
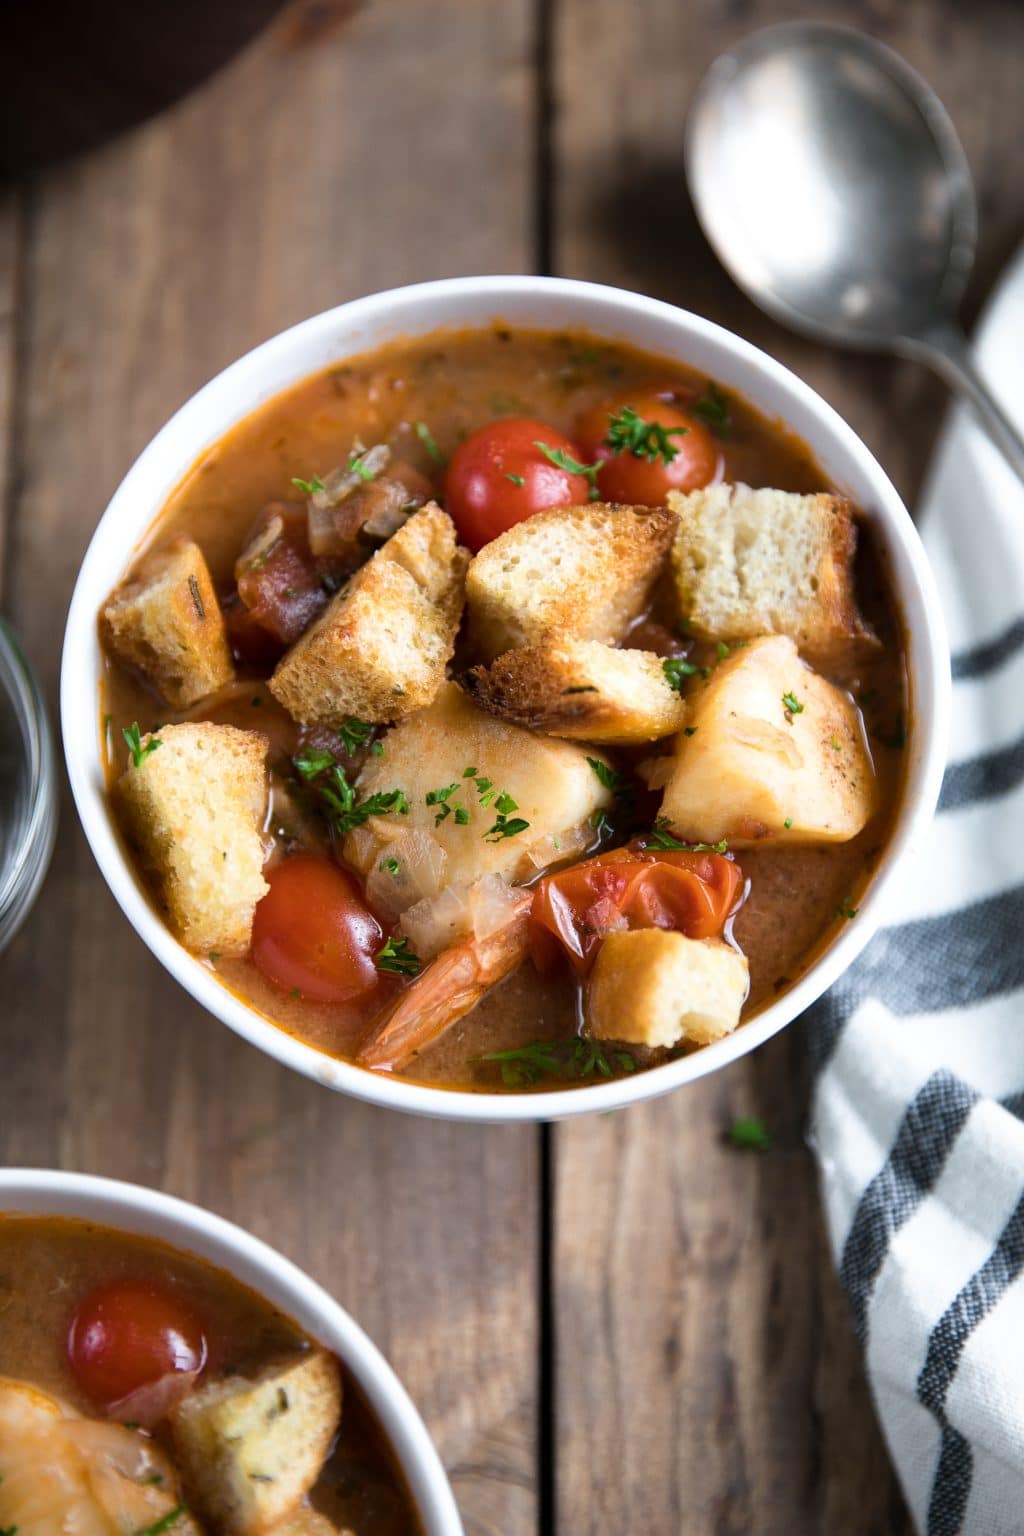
831	183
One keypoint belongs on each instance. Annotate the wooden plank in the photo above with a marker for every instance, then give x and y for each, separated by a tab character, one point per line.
324	163
11	225
706	1377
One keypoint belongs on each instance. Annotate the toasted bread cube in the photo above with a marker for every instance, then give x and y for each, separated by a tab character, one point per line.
380	649
251	1449
756	767
653	987
580	689
166	622
308	1521
585	571
551	782
763	562
195	806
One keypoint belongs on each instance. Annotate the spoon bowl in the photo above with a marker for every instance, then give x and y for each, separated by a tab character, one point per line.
830	182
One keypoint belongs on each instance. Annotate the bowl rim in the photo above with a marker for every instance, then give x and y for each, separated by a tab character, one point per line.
191	1229
185	437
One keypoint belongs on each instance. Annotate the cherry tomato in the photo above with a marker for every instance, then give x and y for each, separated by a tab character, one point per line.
691	458
312	933
498	477
691	893
128	1334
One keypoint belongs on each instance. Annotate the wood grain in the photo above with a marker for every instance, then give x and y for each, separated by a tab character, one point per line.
706	1379
320	165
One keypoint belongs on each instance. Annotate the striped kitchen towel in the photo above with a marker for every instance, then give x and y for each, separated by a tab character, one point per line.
918	1112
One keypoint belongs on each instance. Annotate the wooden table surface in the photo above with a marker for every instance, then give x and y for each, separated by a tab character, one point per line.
616	1325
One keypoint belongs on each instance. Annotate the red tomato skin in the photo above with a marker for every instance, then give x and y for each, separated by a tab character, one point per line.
482	500
638	481
128	1334
313	934
690	893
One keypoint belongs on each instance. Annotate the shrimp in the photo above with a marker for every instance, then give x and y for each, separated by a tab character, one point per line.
62	1475
445	992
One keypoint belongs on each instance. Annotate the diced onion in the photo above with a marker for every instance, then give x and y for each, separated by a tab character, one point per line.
656	771
552	850
459	912
420	861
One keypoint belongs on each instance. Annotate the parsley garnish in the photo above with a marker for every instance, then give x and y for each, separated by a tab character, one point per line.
429	441
338	797
133	736
713	409
749	1134
583	688
516	479
354	733
441	797
609	777
309	487
788	823
721	650
506	825
675	669
357	464
661	837
792	706
575	1058
391	865
398	958
844	909
689	730
562	459
214	956
630	433
159	1526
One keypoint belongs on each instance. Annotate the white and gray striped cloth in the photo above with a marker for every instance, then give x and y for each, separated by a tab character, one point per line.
918	1113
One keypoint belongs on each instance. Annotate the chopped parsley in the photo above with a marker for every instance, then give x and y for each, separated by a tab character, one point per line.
689	730
505	825
337	796
397	958
391	865
661	837
583	688
788	823
630	433
159	1526
792	706
354	734
562	459
133	737
516	479
429	442
441	797
609	777
214	956
573	1058
377	748
676	668
721	650
713	410
749	1134
845	909
308	487
357	464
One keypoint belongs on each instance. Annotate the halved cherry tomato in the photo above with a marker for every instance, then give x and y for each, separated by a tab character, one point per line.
498	477
691	893
128	1334
312	933
690	458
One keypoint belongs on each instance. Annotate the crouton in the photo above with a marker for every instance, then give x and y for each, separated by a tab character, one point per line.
772	751
586	571
309	1522
251	1449
476	762
763	562
194	806
653	987
380	649
166	622
580	689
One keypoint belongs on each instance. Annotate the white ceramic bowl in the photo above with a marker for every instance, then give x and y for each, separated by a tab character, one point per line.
557	304
190	1229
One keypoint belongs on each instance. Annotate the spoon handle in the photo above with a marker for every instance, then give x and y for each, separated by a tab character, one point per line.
945	347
